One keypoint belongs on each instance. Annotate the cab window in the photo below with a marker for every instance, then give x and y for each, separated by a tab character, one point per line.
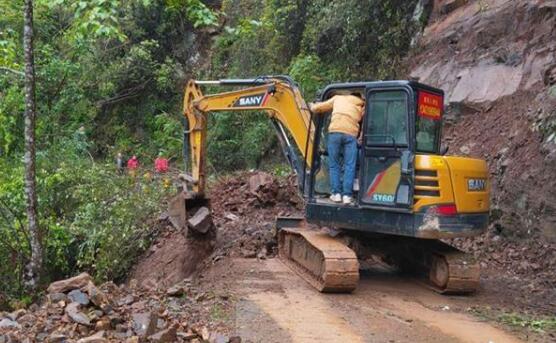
428	121
387	113
427	135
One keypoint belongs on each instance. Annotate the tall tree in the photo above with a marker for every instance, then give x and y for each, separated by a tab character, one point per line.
34	267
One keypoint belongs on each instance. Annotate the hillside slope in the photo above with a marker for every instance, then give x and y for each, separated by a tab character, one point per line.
496	60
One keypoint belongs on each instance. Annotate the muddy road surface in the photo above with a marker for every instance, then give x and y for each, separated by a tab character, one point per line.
272	304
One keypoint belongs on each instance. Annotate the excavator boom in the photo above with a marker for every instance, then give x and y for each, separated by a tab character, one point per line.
278	97
322	261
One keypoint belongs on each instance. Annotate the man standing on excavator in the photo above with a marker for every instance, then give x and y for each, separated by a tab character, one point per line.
343	131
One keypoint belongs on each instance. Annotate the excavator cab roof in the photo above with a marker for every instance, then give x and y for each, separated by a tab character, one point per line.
339	88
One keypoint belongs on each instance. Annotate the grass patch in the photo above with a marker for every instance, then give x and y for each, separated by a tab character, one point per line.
534	323
218	313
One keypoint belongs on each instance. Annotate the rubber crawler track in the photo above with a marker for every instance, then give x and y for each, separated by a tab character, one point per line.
324	262
453	272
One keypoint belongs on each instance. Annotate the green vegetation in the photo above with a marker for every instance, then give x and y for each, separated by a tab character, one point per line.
316	42
538	324
109	80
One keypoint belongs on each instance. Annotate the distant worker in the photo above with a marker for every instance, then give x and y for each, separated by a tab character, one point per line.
343	131
132	165
161	164
120	163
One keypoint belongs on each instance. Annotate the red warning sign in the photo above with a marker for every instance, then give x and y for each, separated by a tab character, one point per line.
430	105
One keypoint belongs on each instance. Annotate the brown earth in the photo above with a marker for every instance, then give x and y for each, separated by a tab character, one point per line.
172	257
245	207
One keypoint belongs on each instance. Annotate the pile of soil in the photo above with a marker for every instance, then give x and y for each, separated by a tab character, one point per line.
245	207
173	256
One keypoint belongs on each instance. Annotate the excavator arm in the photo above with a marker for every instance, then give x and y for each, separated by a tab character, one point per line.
277	96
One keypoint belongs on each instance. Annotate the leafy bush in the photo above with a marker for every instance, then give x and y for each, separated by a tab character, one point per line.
92	218
238	140
311	74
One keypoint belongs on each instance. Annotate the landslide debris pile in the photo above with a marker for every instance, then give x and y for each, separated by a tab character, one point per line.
173	256
76	310
245	207
529	267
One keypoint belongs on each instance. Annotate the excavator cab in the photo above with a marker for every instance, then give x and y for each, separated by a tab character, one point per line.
403	181
386	154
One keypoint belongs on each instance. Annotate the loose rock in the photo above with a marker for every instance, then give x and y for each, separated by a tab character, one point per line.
8	323
79	297
168	335
73	312
16	314
103	324
57	297
144	324
96	338
97	296
56	338
175	291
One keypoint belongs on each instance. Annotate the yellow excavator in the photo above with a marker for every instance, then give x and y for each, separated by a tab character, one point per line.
408	193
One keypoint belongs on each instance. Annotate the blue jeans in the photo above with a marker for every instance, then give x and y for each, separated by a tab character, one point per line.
341	144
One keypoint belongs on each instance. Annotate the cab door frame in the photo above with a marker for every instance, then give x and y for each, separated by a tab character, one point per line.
383	153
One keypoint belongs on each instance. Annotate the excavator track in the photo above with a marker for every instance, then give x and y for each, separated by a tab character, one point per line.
452	271
438	265
323	261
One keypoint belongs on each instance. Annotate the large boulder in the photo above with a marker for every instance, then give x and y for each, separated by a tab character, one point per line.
76	282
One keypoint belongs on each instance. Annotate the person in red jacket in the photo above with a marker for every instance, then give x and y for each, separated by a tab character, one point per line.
161	164
132	165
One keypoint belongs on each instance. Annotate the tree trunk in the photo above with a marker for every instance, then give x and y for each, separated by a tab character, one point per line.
33	269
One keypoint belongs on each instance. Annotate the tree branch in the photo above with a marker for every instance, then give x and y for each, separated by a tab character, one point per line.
126	94
10	70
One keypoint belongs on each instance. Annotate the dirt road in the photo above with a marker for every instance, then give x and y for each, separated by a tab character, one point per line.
274	305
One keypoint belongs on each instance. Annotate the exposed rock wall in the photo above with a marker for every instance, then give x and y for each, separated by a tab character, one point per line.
485	50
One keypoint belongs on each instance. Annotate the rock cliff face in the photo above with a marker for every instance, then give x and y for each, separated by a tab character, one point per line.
485	50
496	60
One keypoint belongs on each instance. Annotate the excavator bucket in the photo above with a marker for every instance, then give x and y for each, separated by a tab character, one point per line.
188	211
177	212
